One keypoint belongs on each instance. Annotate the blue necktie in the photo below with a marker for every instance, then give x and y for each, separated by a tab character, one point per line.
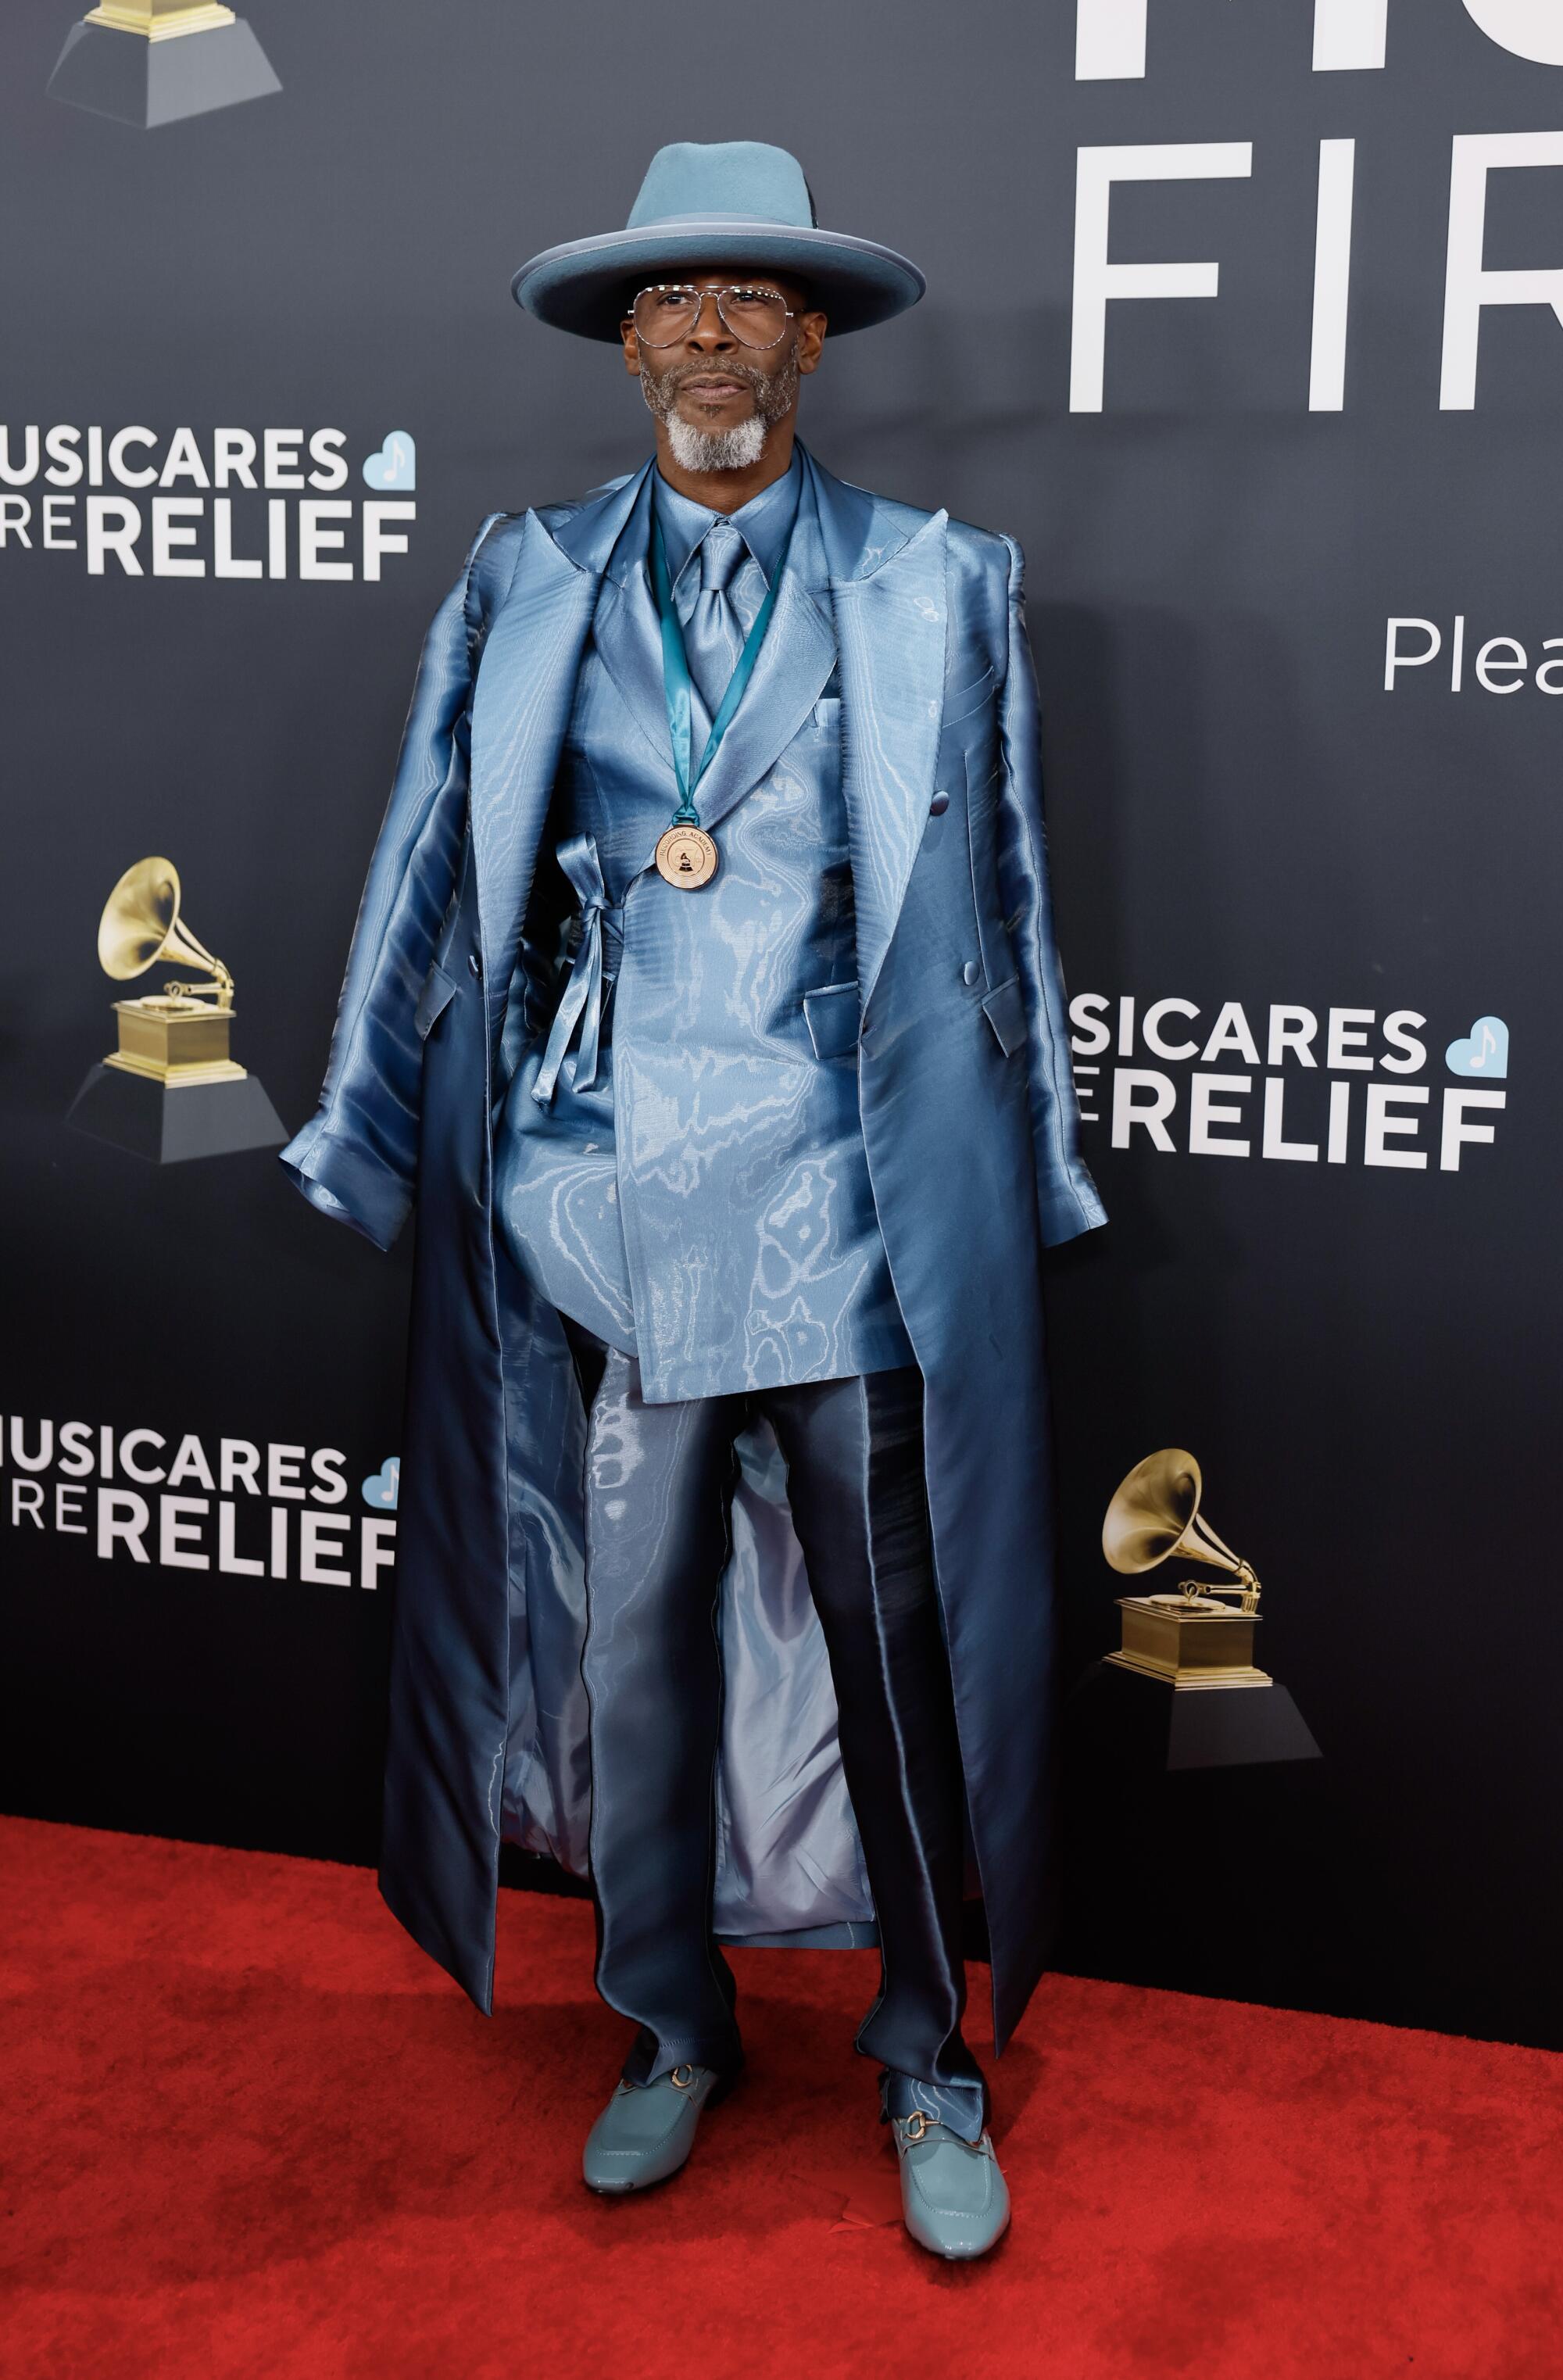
721	612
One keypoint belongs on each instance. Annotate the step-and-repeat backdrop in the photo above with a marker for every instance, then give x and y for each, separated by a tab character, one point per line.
1248	322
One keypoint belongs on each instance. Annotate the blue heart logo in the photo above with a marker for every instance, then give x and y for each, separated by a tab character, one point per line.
383	1486
1484	1051
395	465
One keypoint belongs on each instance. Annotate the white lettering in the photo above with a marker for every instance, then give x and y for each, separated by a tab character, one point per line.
1091	1036
314	538
1344	1037
1484	664
166	511
377	1548
1097	281
1395	659
1126	1114
123	1519
1382	1121
376	540
315	1541
1205	1111
281	1473
1468	284
1293	1029
1151	1028
105	534
1456	1131
58	514
1303	1152
225	564
175	1532
227	1558
1332	276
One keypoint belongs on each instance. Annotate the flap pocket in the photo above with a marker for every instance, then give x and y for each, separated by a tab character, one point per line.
1004	1008
831	1017
439	989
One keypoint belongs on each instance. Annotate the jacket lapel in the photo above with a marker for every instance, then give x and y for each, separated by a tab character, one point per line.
795	659
889	602
521	709
793	665
887	594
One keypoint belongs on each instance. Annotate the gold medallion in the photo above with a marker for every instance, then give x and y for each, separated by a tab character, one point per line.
686	856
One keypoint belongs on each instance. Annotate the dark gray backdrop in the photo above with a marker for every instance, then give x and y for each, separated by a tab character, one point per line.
1361	1356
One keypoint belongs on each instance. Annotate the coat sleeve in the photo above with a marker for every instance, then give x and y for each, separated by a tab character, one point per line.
1067	1195
357	1159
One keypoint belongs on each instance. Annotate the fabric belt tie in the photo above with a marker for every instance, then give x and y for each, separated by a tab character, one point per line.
581	1002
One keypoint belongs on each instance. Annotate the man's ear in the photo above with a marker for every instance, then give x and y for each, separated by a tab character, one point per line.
632	344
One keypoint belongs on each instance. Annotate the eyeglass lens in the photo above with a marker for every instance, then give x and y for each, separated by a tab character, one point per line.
758	317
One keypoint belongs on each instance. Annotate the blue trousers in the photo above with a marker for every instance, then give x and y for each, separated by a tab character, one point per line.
660	1481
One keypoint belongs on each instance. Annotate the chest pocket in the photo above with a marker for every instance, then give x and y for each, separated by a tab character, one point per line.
831	1016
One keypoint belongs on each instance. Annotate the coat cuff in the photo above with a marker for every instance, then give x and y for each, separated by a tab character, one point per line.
345	1183
1065	1217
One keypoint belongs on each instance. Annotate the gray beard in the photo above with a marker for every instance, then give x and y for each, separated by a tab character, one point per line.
723	450
717	450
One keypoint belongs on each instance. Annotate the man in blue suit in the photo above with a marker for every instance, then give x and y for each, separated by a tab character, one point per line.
703	989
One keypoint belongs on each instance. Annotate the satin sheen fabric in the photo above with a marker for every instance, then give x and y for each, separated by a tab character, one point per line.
658	1479
688	1180
963	1075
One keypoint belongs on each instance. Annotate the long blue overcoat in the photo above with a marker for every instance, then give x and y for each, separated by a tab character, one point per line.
970	1123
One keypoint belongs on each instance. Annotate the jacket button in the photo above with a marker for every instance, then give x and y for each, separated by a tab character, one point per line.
970	972
475	962
939	805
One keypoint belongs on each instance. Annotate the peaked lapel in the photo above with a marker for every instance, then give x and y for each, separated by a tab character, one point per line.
794	660
521	709
890	601
791	669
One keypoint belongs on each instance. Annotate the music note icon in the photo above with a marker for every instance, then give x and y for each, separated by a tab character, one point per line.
1484	1050
395	465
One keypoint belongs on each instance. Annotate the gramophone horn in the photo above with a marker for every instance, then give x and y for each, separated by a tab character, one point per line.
1156	1514
140	924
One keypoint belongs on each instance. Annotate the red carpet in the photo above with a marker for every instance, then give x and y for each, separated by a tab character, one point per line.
249	2131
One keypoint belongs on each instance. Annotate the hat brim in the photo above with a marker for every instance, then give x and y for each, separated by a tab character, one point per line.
585	286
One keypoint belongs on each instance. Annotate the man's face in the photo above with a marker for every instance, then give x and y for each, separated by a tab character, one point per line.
707	381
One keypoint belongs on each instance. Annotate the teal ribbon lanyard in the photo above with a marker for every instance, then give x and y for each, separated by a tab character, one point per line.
676	679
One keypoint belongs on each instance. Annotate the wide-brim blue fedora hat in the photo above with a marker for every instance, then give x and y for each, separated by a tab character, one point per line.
715	202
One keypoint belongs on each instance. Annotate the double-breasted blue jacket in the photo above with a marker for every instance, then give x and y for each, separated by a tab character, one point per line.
970	1124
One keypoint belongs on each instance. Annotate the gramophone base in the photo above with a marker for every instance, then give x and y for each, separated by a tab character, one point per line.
1188	1643
1185	1685
1135	1721
168	1125
148	83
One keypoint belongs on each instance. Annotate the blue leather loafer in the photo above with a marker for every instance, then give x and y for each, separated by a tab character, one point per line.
953	2193
646	2130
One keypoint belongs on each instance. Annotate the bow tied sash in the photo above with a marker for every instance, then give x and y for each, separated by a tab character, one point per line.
581	1002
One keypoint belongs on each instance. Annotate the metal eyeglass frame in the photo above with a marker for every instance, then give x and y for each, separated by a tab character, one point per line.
723	289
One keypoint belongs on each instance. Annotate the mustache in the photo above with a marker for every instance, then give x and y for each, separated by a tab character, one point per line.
677	375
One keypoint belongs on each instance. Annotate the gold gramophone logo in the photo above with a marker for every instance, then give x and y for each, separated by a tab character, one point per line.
171	1087
152	62
1187	1636
179	1035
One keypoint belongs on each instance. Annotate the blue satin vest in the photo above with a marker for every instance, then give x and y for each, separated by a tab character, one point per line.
679	1163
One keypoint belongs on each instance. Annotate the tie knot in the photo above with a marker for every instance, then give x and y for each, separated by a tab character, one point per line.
721	552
